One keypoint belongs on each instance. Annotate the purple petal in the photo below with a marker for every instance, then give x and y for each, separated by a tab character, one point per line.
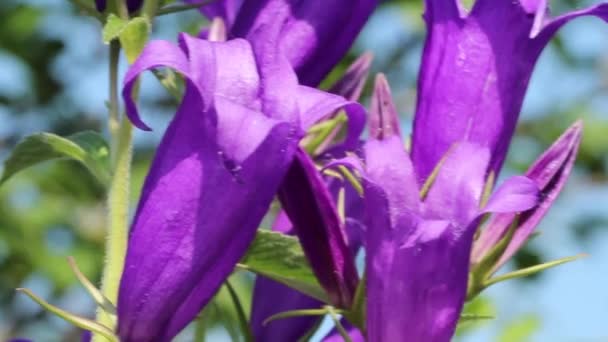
351	84
212	180
455	194
384	119
475	72
157	53
516	194
315	34
417	280
550	173
311	209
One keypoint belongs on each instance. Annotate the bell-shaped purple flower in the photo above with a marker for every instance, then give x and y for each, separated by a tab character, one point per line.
418	238
214	175
475	72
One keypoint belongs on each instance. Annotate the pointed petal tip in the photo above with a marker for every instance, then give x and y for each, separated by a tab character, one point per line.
384	119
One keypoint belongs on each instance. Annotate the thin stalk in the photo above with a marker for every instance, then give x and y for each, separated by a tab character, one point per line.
121	8
334	316
150	8
114	119
240	312
180	8
118	196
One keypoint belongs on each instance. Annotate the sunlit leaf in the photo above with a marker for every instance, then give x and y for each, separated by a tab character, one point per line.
88	147
280	257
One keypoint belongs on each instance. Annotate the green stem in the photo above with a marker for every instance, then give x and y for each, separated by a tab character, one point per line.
334	316
121	8
118	196
240	312
180	8
114	119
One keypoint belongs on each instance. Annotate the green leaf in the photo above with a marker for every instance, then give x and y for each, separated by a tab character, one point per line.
73	319
133	37
113	28
280	257
87	147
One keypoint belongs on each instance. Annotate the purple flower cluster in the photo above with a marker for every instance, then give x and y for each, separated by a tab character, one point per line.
235	144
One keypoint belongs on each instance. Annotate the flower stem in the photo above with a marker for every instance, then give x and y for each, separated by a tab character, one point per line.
240	312
118	195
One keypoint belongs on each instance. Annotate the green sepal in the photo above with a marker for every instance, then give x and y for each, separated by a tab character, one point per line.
169	80
88	147
319	133
481	271
426	187
356	315
280	257
333	313
111	30
101	300
474	317
524	272
77	321
296	313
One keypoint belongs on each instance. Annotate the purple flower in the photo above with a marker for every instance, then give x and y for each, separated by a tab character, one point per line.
315	34
270	297
132	5
418	238
475	71
214	175
550	172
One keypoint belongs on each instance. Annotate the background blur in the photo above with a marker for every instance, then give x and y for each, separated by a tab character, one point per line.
53	77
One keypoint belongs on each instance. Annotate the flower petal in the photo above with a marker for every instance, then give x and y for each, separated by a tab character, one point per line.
516	194
550	173
212	180
455	193
310	207
417	284
315	34
384	119
351	84
475	72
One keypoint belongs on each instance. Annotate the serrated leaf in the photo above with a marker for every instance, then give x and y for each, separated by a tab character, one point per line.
133	37
88	147
113	27
280	257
